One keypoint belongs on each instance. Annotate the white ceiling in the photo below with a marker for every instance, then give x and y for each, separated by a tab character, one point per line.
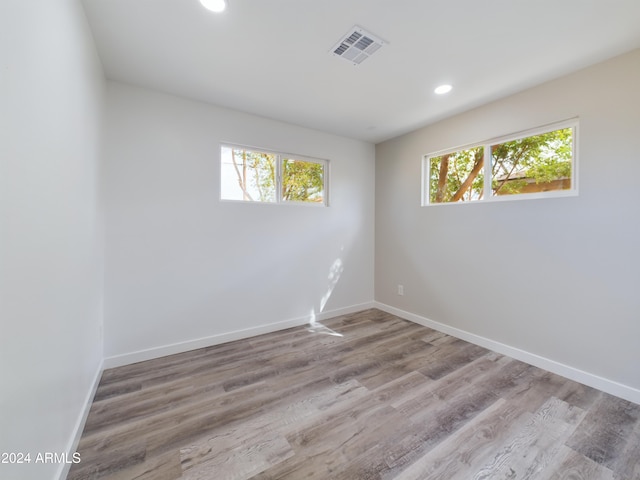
272	57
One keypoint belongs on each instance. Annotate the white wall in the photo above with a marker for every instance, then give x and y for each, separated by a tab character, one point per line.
555	278
182	266
51	92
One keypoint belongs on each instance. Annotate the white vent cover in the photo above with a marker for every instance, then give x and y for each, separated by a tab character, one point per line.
357	45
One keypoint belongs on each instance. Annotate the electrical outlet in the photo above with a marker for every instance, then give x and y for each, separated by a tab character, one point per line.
400	289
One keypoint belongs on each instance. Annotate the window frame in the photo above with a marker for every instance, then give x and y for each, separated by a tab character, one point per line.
572	123
280	158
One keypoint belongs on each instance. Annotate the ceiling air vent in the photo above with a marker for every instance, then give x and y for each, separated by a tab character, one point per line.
357	45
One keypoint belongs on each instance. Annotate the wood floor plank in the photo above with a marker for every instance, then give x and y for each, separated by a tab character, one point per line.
605	432
355	397
398	391
537	388
453	360
110	461
147	402
468	447
434	416
532	450
570	465
353	432
627	462
203	411
158	467
461	385
575	393
223	456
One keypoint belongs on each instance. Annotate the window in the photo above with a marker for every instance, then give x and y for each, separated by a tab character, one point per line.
252	175
538	163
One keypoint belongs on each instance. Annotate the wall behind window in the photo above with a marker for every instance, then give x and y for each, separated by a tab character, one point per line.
558	277
182	265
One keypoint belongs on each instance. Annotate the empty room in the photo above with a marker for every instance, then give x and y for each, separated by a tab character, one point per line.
288	239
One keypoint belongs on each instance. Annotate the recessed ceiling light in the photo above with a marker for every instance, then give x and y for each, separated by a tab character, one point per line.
216	6
442	89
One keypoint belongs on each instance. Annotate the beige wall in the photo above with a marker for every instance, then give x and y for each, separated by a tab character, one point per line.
557	279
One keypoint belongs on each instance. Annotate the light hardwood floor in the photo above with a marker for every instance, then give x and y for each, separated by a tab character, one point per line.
366	396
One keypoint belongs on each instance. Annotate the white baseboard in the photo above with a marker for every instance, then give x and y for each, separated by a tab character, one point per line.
609	386
161	351
72	447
